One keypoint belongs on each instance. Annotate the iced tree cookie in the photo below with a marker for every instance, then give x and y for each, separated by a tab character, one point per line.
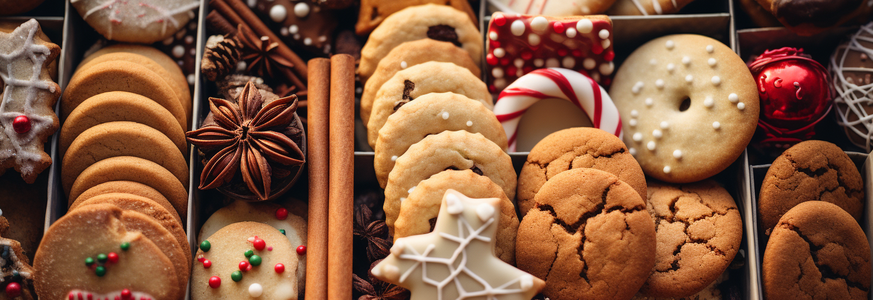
136	21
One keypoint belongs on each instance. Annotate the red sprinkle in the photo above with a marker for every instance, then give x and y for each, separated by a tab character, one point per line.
214	282
577	53
504	61
13	289
259	244
609	56
207	263
270	248
301	250
527	55
495	44
281	213
200	258
244	266
562	52
499	19
21	124
113	257
559	27
126	294
491	59
279	268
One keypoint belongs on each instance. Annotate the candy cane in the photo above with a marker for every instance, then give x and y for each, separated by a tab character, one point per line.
560	83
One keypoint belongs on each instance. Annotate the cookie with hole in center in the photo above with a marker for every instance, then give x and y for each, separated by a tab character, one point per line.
809	171
817	250
589	236
698	229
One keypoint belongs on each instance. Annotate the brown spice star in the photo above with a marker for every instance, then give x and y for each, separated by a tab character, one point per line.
261	54
376	289
374	231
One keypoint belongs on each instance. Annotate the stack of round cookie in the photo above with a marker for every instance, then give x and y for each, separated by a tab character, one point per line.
125	175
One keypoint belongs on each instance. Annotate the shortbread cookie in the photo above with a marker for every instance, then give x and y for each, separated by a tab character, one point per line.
448	150
120	106
410	84
27	117
70	258
373	12
817	250
419	211
431	114
134	21
589	235
437	22
698	229
572	149
407	55
121	138
810	171
689	106
135	169
155	209
126	187
245	260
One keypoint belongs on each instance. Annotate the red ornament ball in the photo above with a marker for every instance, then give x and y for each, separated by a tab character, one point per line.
126	294
301	250
281	213
113	257
259	244
279	268
21	124
214	282
244	266
207	263
13	289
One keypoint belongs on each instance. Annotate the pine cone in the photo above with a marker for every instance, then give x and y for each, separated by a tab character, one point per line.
221	56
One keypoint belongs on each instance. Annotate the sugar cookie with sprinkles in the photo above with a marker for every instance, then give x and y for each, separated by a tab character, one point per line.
519	44
245	260
689	104
27	118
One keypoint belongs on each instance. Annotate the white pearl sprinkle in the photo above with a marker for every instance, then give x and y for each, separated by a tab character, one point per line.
716	125
499	52
667	169
651	146
394	158
633	151
659	83
637	87
686	60
665	124
670	67
539	24
632	122
635	113
571	32
493	35
670	44
638	137
533	39
589	63
517	28
497	72
657	133
403	65
741	106
518	62
278	13
711	62
604	34
539	62
445	115
552	63
307	41
689	78
469	123
733	98
709	48
255	290
293	29
568	62
301	9
716	80
708	102
605	44
584	26
677	154
653	61
649	102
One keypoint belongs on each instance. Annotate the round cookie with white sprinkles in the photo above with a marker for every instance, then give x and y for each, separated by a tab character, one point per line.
689	104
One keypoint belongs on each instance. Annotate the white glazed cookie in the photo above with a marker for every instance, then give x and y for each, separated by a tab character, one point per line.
136	21
689	104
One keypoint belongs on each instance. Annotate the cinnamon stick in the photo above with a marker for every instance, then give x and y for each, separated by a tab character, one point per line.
342	183
318	137
260	28
217	23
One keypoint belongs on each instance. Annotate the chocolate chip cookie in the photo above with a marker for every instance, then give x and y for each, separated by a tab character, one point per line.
817	250
810	170
589	236
576	148
699	230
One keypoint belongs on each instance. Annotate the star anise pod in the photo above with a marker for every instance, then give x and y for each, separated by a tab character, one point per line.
261	54
374	231
376	289
250	140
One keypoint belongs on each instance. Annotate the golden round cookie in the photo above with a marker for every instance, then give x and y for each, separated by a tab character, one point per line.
677	140
227	249
166	218
816	251
126	188
135	169
699	229
60	259
410	54
178	83
810	171
418	213
410	84
121	138
414	23
574	148
430	114
120	106
120	76
589	236
455	150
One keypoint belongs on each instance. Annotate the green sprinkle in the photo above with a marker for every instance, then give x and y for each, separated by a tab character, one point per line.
89	261
205	246
125	246
16	275
282	231
236	276
102	258
255	260
249	253
100	271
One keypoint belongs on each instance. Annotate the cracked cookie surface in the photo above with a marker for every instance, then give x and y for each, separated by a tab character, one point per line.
816	251
576	148
589	236
698	229
808	171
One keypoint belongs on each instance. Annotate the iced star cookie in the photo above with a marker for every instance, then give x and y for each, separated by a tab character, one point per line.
136	21
27	117
245	260
689	106
90	249
459	253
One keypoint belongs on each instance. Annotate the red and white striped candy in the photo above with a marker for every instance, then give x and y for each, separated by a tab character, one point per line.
559	83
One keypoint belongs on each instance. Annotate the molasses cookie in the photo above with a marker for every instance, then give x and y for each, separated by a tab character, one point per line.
808	171
589	236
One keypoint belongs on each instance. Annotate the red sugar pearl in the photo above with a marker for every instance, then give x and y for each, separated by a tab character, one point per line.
244	266
21	124
207	263
281	213
201	257
562	52
559	27
491	59
259	244
113	257
526	55
279	268
301	250
126	294
214	282
13	289
499	19
609	56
